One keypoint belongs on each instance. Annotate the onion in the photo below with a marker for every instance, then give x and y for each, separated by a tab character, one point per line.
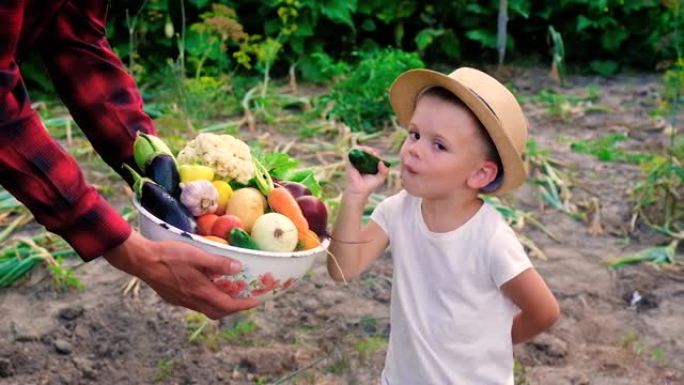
274	232
315	212
296	189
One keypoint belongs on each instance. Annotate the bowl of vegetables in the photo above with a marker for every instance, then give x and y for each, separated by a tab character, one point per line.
261	213
264	273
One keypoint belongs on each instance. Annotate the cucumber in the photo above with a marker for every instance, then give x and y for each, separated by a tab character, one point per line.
365	162
240	238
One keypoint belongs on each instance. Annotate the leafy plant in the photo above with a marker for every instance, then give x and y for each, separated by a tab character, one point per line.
63	277
209	39
366	347
320	67
164	370
239	330
558	56
604	67
22	255
604	149
603	33
196	325
564	106
360	100
264	51
659	194
282	166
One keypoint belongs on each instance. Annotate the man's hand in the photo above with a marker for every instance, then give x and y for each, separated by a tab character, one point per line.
180	273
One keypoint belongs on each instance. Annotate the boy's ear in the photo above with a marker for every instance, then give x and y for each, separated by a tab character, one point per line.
483	175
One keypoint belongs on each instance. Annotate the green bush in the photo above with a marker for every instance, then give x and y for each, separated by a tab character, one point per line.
360	100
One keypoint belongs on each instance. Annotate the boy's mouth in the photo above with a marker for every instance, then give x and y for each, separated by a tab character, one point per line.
409	169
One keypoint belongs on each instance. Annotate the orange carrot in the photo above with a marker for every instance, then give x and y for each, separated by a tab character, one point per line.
281	201
309	240
215	238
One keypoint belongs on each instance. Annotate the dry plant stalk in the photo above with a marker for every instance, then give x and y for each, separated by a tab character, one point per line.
337	265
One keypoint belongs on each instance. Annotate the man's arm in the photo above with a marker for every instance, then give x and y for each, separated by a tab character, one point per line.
90	78
36	170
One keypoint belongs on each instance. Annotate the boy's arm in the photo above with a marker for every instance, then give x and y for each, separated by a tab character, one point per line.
538	307
353	248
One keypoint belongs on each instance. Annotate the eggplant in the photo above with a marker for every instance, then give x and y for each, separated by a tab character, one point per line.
146	147
162	169
154	158
160	203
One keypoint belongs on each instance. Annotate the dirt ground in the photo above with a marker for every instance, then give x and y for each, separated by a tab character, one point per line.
321	332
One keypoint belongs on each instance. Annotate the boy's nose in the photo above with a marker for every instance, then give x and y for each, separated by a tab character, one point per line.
414	149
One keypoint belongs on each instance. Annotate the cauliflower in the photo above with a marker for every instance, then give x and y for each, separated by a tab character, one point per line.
229	157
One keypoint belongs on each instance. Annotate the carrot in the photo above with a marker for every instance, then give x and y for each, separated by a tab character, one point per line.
309	240
281	201
215	238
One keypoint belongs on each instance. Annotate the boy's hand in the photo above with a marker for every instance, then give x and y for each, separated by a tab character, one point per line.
362	185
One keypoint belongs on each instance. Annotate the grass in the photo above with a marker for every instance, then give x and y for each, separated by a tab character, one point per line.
631	341
367	347
164	370
201	330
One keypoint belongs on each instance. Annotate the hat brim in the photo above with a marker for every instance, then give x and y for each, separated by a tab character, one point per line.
407	87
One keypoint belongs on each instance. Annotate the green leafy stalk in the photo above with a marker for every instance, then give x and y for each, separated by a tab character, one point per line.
657	255
262	178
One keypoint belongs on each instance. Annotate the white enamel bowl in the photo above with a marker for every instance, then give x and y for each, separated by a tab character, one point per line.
264	274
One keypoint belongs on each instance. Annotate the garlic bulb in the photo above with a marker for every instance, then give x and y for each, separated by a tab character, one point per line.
200	197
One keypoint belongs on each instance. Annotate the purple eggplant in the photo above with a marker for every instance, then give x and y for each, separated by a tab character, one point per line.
154	158
162	169
160	203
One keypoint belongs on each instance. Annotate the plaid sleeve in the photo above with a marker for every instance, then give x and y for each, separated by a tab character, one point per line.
33	166
13	99
45	178
90	78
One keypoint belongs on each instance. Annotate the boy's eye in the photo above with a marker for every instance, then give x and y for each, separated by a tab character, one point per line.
414	135
439	146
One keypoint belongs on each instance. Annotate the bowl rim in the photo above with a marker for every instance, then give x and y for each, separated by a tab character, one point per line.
198	238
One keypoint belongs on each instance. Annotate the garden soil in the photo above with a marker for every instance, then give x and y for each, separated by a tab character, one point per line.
621	327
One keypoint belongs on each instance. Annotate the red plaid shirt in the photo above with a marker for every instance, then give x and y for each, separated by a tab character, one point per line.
100	95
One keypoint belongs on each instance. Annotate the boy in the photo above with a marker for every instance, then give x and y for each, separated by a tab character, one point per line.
463	288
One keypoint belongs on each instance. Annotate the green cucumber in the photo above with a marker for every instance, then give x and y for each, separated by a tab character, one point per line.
365	162
240	238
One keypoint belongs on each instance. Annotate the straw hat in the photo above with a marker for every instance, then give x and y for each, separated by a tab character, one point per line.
492	103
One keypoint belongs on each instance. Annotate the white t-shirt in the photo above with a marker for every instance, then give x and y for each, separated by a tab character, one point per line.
450	322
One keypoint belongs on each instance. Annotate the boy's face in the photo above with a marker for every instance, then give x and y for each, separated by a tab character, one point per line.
443	150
